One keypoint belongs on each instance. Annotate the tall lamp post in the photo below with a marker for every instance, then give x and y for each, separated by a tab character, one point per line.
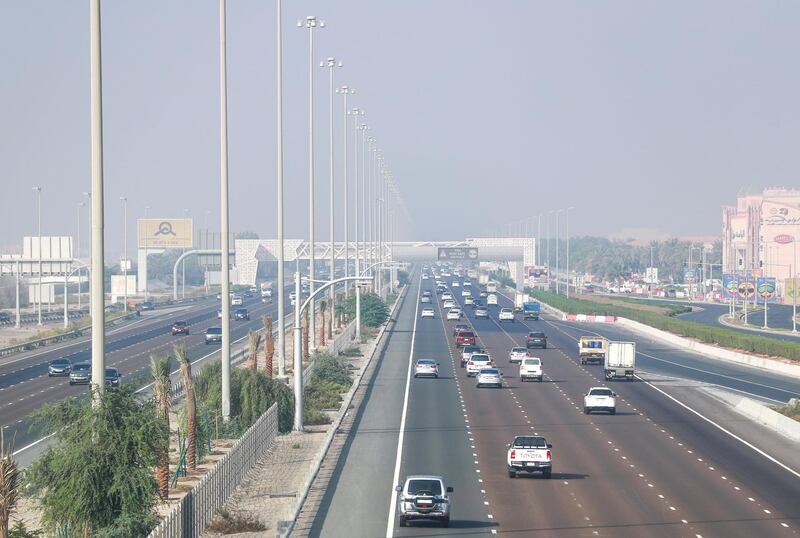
311	23
345	91
124	200
330	64
279	163
224	218
39	219
78	255
568	277
557	241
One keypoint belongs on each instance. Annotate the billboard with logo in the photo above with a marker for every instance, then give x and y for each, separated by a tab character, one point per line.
164	233
689	275
730	283
766	288
790	290
779	214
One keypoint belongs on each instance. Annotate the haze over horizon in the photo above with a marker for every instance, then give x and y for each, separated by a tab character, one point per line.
642	116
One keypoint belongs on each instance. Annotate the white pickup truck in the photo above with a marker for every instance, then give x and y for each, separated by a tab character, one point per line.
530	368
529	454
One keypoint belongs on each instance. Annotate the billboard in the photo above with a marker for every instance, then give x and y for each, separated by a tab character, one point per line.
651	275
766	287
164	233
730	283
458	253
689	274
790	289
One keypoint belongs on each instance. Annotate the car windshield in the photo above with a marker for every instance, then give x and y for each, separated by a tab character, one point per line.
59	362
480	357
81	368
111	372
466	334
426	361
490	371
505	310
424	487
471	349
530	442
531	362
519	350
536	335
600	392
180	323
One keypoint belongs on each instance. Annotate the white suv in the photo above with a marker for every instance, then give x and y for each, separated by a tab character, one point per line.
454	314
478	361
506	314
427	313
531	368
600	399
424	497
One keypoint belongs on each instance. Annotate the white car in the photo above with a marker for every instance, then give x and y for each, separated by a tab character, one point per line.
467	283
466	293
427	313
478	361
426	367
455	284
516	354
469	300
600	399
490	377
531	368
448	303
424	276
466	353
236	300
425	299
454	314
506	314
219	314
447	295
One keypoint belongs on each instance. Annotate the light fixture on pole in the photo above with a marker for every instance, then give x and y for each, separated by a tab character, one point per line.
39	217
345	91
279	163
311	23
330	63
125	249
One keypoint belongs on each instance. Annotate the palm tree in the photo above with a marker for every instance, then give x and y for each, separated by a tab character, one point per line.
191	407
159	368
9	483
253	342
304	334
269	344
322	306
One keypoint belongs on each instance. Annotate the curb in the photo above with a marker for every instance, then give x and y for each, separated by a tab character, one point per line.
317	463
759	412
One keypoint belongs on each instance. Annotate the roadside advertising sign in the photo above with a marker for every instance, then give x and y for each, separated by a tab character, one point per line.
730	284
766	286
689	274
164	233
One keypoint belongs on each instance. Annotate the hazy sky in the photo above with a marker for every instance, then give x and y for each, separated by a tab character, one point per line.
641	114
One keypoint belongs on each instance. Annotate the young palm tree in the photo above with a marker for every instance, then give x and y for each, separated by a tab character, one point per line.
159	368
304	334
253	342
269	344
191	407
322	306
9	484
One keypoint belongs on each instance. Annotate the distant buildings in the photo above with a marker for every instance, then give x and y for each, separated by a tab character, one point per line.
760	234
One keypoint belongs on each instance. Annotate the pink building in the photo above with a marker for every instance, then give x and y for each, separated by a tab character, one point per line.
760	233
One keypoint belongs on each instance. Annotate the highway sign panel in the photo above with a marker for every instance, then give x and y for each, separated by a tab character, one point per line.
458	253
165	233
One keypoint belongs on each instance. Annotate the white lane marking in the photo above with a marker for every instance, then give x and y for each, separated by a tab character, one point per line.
398	457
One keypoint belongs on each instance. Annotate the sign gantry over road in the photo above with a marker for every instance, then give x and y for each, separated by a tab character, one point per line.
458	253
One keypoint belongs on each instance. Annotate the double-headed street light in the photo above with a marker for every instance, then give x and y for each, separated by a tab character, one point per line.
279	164
330	64
345	91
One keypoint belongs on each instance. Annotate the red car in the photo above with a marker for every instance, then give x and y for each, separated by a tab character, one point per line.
465	338
180	327
460	327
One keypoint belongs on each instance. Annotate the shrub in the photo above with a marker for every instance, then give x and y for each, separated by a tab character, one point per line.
374	311
227	523
332	369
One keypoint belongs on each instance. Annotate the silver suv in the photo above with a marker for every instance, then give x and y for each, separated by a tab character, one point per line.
424	497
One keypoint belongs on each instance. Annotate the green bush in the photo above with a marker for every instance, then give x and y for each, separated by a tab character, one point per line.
374	311
331	369
705	333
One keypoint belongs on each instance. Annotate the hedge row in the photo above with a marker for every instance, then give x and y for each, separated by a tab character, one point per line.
705	333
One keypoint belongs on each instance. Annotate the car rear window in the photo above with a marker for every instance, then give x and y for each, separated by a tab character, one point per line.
80	368
530	442
214	330
467	334
531	362
600	392
480	357
59	361
519	350
424	487
536	335
490	371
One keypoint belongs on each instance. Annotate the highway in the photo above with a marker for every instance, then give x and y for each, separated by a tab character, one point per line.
25	385
779	316
659	467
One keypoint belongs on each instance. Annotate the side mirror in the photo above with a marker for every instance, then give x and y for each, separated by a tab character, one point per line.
549	445
398	489
449	489
508	445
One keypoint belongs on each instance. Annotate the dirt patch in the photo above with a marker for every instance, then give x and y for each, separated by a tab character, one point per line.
601	299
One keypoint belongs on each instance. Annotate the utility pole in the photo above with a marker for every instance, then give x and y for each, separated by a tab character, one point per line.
224	225
281	237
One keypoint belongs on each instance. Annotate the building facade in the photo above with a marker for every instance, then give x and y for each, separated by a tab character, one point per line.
760	233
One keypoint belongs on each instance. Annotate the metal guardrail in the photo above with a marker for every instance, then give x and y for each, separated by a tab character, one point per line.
26	319
196	509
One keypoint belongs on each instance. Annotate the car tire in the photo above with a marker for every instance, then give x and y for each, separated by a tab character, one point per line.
49	374
512	473
541	378
71	383
613	411
403	522
586	411
547	474
445	522
415	376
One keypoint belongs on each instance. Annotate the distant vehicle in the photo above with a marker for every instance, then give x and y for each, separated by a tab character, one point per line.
81	374
536	339
426	293
478	361
465	338
424	497
489	377
266	289
448	303
620	360
447	296
5	317
253	289
112	377
236	300
529	454
219	314
531	368
469	300
455	284
454	314
424	276
467	351
491	287
531	310
214	335
180	327
481	312
241	314
426	367
460	327
491	299
506	314
517	354
467	283
59	367
519	299
427	313
425	299
600	399
482	293
146	305
592	349
466	293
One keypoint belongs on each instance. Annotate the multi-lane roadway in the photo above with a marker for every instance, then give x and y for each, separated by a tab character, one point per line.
667	464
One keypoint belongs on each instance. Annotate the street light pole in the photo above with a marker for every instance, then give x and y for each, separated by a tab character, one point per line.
224	222
125	248
331	63
356	112
557	241
311	23
792	271
39	217
281	238
146	253
80	205
568	279
345	91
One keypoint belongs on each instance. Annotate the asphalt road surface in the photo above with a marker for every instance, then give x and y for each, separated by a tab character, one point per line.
656	468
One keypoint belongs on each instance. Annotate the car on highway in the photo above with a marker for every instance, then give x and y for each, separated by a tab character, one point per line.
424	276
466	293
455	284
506	314
449	303
465	338
426	368
481	312
236	300
600	399
447	296
241	314
517	354
5	317
112	377
454	314
427	313
467	351
469	300
467	283
146	305
529	454
219	314
59	367
482	293
424	497
489	377
531	368
459	327
478	361
214	335
475	303
425	299
536	339
81	374
180	327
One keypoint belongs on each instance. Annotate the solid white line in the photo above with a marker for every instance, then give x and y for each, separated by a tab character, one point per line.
393	501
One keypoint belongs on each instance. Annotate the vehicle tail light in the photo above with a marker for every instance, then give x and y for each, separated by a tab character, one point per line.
470	363
513	454
548	454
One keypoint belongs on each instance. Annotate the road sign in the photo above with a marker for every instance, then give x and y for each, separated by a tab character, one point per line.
458	253
165	233
651	275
